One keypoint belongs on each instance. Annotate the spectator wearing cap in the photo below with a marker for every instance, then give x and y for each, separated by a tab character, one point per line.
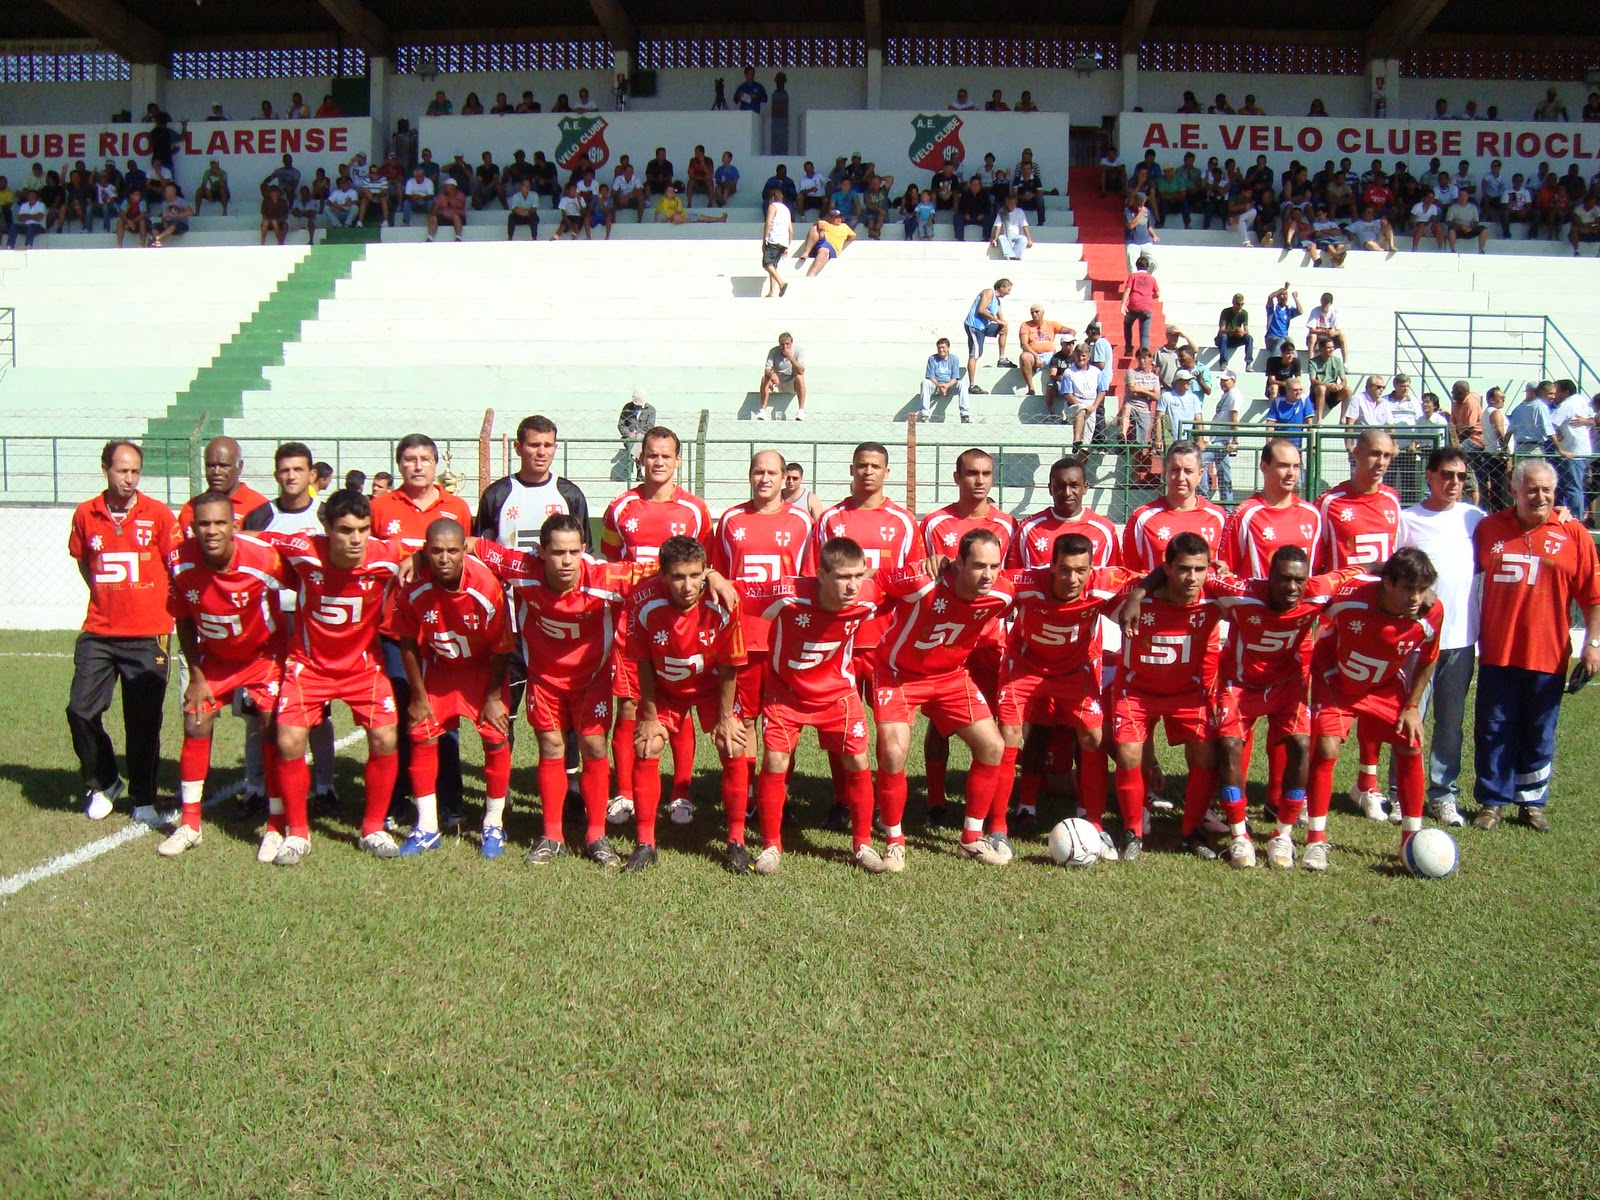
449	208
418	197
1179	408
1233	330
943	375
1219	448
1329	384
1201	383
1037	338
1282	368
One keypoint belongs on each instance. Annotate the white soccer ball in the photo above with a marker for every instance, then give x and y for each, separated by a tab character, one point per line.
1432	854
1075	843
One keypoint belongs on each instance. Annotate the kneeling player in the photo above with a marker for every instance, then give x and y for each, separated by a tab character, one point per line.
228	627
455	646
810	683
1363	673
922	663
688	648
1165	635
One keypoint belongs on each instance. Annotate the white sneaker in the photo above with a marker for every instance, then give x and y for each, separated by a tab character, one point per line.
102	802
147	814
379	845
894	858
762	415
619	811
768	861
680	812
1108	848
1214	822
1316	857
1446	813
271	843
800	414
181	839
869	861
1370	804
293	852
1242	851
1395	815
983	851
1280	851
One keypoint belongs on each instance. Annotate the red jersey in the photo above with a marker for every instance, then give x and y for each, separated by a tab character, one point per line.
1058	637
685	646
1034	544
236	618
889	537
244	498
1530	579
1357	530
340	607
1166	656
124	553
813	650
755	547
1151	526
934	630
455	631
1363	650
567	635
635	528
1256	531
399	518
1264	647
943	530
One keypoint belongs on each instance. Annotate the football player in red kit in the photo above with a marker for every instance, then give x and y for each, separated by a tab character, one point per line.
942	532
342	579
567	607
922	663
688	648
1034	545
455	645
1161	677
635	527
1360	521
1378	649
811	683
1179	509
233	637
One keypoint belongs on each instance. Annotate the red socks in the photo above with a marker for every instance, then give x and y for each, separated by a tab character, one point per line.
1094	781
682	759
1367	770
1277	763
193	765
623	753
553	795
382	771
859	784
295	776
1002	790
772	788
1130	799
736	795
646	797
982	780
497	770
594	784
424	768
1411	782
1197	795
1028	789
892	803
1319	798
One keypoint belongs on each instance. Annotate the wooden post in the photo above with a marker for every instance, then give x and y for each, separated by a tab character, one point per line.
485	459
911	462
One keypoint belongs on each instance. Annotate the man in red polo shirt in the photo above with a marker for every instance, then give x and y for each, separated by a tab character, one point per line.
1534	567
120	540
224	463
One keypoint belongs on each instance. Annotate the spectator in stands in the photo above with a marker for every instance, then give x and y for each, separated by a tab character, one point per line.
784	371
1169	358
1283	306
546	181
449	208
670	210
699	178
28	218
945	185
1550	109
847	201
1371	232
523	211
1323	322
328	110
1136	222
961	103
780	180
216	113
726	179
132	218
1292	411
369	190
459	170
659	173
440	105
1220	106
826	241
307	208
172	219
1191	104
627	190
1326	239
603	210
320	185
487	183
1081	394
132	178
1233	330
1028	188
777	232
1551	205
213	186
926	211
267	113
1462	221
813	190
1037	338
1141	392
750	95
528	104
986	320
1585	224
1113	172
1250	108
1282	368
286	177
1178	409
274	215
501	106
343	204
573	221
974	209
1011	232
1330	386
472	106
298	109
905	209
102	207
1441	110
1025	103
995	103
1426	218
1220	446
1518	207
1201	382
941	377
418	196
1370	406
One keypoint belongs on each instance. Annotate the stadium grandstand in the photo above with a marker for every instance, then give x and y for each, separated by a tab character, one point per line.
354	332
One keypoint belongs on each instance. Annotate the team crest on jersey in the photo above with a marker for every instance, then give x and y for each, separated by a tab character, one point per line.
240	599
392	527
1197	619
858	730
885	695
97	542
471	620
803	621
511	512
886	532
431	617
600	710
316	577
143	536
783	537
707	636
192	596
1554	543
1306	531
679	528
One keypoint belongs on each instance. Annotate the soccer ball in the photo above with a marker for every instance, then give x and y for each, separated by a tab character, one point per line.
1432	854
1075	843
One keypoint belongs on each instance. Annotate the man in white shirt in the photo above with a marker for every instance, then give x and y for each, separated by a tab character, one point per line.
627	190
1323	322
1492	190
1462	221
961	103
776	234
418	196
1405	406
1573	417
814	189
1425	219
1011	232
1585	223
1369	406
1518	207
27	219
1442	527
343	203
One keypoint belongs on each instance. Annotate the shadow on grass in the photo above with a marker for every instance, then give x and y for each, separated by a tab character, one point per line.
57	789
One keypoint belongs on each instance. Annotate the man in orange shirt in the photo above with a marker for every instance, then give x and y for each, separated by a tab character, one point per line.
403	515
121	539
1038	338
224	464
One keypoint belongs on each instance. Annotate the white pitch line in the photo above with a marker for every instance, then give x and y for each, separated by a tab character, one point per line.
32	654
63	863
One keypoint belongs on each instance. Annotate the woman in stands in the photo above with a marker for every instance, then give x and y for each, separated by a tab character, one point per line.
1318	108
906	210
472	106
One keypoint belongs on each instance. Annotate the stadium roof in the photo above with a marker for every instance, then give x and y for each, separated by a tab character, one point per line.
149	30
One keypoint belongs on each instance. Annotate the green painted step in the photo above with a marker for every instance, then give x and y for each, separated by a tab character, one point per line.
216	393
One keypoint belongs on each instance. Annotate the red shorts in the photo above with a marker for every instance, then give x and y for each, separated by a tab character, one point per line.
983	664
841	725
1185	717
455	697
862	667
305	690
1235	710
952	701
673	715
584	710
752	684
624	676
1374	715
260	678
1072	700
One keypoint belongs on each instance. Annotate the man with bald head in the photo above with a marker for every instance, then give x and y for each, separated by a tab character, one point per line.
224	465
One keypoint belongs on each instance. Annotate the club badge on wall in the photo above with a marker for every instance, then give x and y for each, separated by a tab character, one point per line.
582	143
936	140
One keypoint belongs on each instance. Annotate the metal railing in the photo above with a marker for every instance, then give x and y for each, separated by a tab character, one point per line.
8	339
1508	349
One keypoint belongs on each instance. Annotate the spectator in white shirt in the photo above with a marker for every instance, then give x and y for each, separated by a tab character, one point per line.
1082	392
1492	190
27	219
1369	406
418	196
1425	219
1405	406
343	203
1573	417
1462	221
961	103
627	190
1323	322
1011	232
814	189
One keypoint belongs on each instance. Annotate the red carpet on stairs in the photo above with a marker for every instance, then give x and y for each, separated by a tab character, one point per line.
1099	221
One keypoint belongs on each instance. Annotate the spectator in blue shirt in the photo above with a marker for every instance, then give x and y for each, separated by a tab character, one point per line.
1180	407
944	375
1101	354
848	201
1293	407
750	95
1280	312
727	179
784	184
1530	423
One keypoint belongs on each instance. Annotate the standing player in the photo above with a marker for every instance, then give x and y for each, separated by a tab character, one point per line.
1162	677
687	648
515	507
1180	509
120	539
224	464
889	539
1373	660
1360	521
810	682
232	635
1034	544
342	580
922	663
635	527
455	645
942	532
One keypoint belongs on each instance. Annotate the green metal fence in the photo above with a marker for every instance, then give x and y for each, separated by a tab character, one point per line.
1507	349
